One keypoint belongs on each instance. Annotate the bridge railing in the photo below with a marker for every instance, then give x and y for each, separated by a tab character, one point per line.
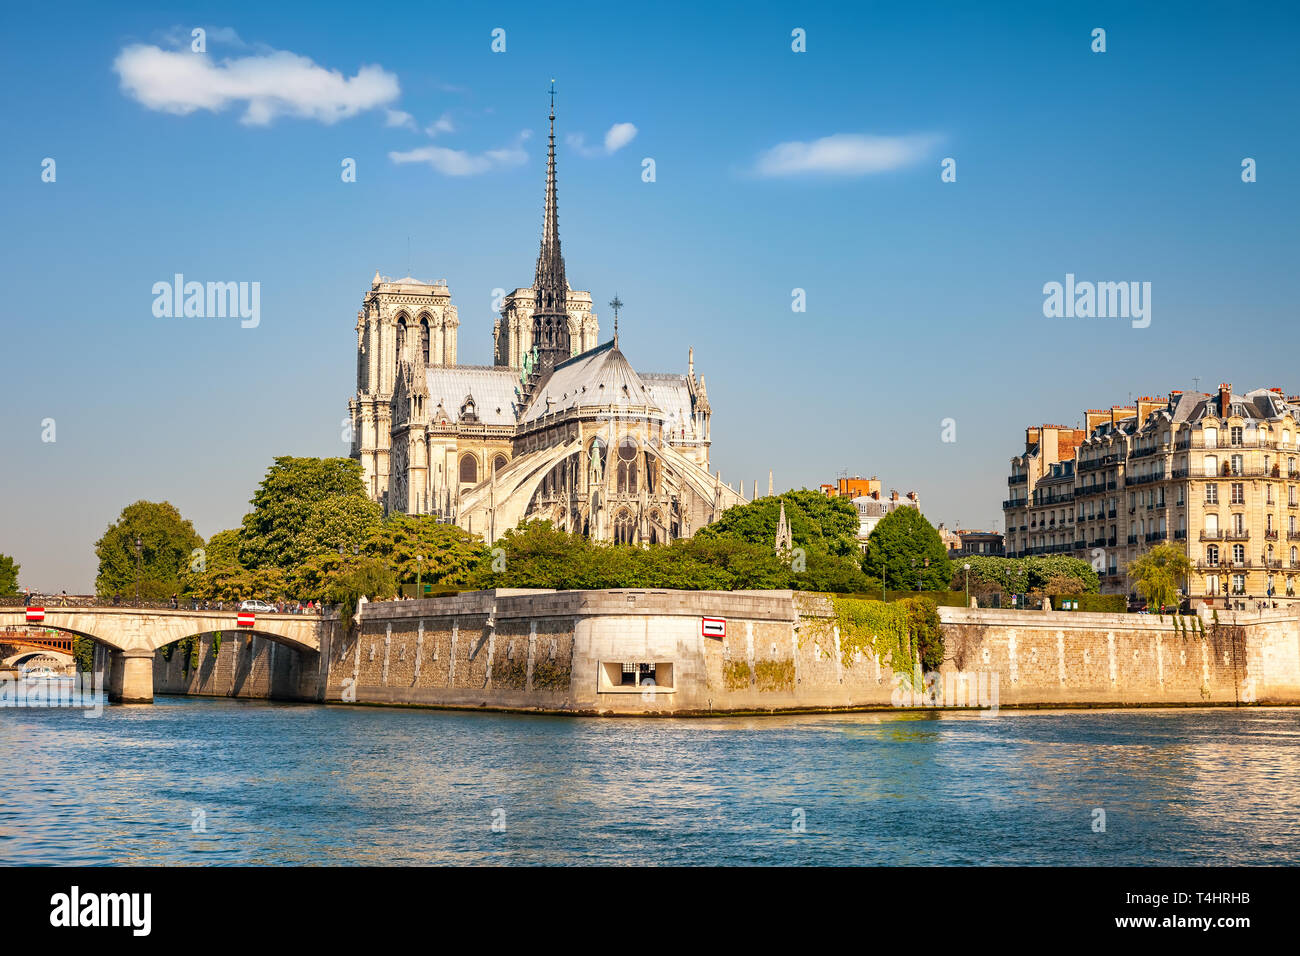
54	602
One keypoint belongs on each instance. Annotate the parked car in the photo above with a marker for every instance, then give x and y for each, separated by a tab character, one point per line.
1137	605
258	607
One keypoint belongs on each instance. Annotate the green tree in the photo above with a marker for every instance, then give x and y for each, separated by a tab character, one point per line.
1159	573
450	555
8	576
817	522
305	506
908	551
167	541
370	577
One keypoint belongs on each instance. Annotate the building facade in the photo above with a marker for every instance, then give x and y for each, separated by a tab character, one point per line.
1218	475
560	427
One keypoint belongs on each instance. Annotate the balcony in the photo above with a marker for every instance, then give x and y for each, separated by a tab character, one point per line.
1141	479
1013	503
1270	535
1110	542
1180	535
1132	539
1111	485
1017	479
1110	513
1155	536
1211	535
1236	536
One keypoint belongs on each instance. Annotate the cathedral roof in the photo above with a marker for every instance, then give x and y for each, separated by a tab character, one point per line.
600	376
492	388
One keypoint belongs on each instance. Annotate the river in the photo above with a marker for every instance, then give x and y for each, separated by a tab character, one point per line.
217	781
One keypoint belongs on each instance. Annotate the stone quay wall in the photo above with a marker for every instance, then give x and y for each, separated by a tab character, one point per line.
246	665
565	651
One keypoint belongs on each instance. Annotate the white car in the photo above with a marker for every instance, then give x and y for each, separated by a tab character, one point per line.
258	607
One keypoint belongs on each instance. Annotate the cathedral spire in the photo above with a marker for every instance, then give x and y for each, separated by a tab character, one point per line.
550	307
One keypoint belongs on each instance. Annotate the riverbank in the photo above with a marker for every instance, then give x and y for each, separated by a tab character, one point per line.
679	653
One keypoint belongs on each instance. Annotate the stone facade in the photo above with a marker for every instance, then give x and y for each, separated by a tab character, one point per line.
647	652
1218	475
560	427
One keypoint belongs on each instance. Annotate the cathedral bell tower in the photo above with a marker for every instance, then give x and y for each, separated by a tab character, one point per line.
550	309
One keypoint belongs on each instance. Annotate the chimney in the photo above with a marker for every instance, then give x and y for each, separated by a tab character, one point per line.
876	494
1174	396
911	496
1225	399
1145	406
893	496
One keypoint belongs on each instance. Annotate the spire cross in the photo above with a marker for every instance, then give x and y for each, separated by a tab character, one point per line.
616	303
552	91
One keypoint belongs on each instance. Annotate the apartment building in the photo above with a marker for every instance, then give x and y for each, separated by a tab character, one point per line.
1216	474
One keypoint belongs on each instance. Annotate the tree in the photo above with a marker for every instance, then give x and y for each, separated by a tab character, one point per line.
167	541
370	578
1159	573
817	522
908	551
419	548
305	506
8	576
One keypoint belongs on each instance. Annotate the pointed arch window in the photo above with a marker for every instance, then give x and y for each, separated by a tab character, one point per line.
424	338
401	338
469	469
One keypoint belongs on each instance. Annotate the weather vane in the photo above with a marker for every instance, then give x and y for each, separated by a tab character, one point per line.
616	303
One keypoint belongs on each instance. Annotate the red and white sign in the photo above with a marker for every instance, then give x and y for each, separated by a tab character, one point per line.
35	615
246	618
713	626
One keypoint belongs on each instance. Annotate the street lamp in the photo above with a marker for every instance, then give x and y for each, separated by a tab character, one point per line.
966	567
419	575
138	545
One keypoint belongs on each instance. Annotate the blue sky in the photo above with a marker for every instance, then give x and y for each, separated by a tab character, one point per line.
924	298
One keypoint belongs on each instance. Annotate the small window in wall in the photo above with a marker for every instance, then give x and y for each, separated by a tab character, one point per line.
635	675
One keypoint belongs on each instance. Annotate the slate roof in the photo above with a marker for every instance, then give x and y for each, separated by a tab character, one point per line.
492	387
599	376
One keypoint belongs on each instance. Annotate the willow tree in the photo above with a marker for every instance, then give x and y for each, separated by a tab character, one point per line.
1159	573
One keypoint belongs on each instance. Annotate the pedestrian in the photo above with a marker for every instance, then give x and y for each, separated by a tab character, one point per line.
27	597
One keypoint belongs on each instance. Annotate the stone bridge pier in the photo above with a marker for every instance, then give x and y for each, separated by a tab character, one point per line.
131	637
130	676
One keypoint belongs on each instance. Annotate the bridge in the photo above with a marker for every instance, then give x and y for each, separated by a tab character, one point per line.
131	636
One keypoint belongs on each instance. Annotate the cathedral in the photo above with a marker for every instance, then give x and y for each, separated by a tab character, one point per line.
560	427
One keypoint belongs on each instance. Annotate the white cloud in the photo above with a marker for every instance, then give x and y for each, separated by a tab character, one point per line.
459	162
843	154
271	84
399	118
618	136
442	124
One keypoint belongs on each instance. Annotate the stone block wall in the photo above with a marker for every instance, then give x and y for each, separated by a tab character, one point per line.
563	651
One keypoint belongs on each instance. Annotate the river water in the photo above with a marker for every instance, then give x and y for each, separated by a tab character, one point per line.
215	781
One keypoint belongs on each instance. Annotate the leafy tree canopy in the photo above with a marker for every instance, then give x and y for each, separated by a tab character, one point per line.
817	523
1040	574
166	540
8	576
303	506
907	549
1159	573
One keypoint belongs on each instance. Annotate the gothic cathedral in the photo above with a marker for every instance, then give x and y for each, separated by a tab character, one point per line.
559	428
